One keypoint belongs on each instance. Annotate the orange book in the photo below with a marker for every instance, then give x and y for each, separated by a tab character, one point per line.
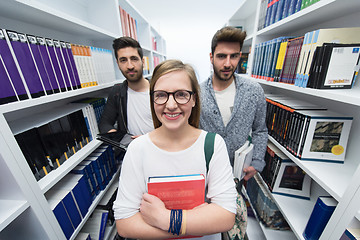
179	192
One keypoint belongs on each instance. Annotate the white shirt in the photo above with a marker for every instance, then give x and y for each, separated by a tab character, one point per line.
139	113
144	159
225	101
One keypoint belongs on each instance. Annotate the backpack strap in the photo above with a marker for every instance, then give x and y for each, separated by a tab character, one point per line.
209	148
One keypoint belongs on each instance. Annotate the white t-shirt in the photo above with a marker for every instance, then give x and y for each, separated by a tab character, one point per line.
225	101
144	159
139	113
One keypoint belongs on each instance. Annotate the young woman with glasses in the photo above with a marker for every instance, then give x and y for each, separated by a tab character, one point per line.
175	147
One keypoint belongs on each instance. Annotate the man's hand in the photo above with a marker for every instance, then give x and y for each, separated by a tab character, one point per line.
249	172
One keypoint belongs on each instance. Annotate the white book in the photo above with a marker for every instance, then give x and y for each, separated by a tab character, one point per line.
292	181
325	136
242	159
96	224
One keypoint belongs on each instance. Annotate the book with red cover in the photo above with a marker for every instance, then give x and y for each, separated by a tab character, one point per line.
178	192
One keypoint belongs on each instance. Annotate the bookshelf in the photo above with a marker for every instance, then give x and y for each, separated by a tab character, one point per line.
24	210
341	181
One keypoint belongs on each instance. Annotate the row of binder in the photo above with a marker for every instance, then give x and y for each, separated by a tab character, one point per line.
71	198
34	66
47	146
311	60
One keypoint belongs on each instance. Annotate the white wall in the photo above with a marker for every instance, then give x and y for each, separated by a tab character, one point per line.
188	27
191	45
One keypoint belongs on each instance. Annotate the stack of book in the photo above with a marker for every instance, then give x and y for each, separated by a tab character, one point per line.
273	11
98	169
308	131
317	38
96	224
34	66
264	204
70	200
293	60
351	234
242	159
128	24
146	67
284	177
322	211
242	65
48	145
334	66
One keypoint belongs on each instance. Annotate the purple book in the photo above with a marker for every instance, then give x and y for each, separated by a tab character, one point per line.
33	43
12	71
51	49
68	64
48	65
7	92
72	61
26	63
62	65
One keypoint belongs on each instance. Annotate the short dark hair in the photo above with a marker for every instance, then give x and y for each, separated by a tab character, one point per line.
228	34
169	66
124	42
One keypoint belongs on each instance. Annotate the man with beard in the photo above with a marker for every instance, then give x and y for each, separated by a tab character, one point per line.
231	105
128	103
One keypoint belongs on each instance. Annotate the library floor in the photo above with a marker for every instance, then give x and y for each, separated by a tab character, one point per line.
253	230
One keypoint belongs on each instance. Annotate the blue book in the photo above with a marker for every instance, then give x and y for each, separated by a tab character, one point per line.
109	164
111	156
292	7
270	59
276	53
261	58
279	10
298	5
256	54
286	8
268	14
62	217
81	170
92	176
96	224
77	185
99	174
273	11
323	209
63	205
101	159
71	208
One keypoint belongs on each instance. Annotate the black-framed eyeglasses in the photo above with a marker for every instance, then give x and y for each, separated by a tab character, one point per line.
180	96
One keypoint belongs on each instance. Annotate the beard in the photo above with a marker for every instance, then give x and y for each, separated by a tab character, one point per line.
136	77
221	76
133	77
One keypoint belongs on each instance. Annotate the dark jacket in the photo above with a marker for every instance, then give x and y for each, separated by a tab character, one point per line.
115	109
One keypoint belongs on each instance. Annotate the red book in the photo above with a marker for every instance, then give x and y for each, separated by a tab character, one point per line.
179	192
